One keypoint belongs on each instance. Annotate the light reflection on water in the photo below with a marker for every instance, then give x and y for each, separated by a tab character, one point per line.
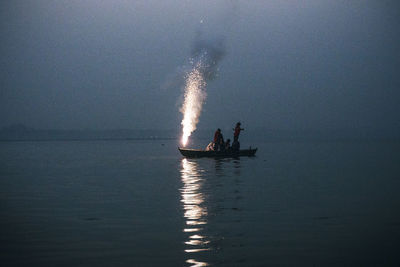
210	197
195	211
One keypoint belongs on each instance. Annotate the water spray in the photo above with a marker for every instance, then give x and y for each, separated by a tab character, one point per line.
203	67
195	96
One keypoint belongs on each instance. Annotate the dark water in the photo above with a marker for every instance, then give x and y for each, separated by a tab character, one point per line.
138	203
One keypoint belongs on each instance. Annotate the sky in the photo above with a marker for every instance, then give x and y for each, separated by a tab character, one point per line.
118	64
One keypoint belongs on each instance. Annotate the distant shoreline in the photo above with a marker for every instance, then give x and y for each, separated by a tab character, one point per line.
85	139
19	132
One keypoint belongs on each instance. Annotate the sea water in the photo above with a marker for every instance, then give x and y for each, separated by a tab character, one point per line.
140	203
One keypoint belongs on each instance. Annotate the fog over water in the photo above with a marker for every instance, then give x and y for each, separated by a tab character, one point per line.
288	65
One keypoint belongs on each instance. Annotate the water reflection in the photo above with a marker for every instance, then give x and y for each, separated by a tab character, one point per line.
195	210
211	200
221	164
236	166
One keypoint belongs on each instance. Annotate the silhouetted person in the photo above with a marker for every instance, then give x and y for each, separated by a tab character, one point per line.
236	146
221	143
237	132
228	145
217	139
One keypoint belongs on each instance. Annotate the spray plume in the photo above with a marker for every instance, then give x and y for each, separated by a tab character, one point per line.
203	68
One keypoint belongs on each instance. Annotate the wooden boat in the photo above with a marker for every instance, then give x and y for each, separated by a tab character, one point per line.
198	153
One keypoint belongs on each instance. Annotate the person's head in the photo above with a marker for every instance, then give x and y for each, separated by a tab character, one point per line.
228	141
218	130
238	124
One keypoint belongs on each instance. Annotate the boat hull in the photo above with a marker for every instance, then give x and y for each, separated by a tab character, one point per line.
197	153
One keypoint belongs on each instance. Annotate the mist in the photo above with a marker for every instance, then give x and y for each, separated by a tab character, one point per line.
271	65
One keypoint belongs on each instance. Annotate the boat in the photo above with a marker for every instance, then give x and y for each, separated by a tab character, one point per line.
199	153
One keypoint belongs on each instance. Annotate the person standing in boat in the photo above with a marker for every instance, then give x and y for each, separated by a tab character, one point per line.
217	139
237	132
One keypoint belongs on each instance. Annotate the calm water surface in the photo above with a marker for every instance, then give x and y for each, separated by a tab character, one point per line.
139	203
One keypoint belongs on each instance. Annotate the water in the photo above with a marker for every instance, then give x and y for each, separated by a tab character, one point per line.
139	203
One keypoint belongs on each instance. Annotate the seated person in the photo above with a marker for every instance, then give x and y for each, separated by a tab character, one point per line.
210	147
228	144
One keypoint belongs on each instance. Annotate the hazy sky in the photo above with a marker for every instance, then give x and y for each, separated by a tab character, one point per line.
114	64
